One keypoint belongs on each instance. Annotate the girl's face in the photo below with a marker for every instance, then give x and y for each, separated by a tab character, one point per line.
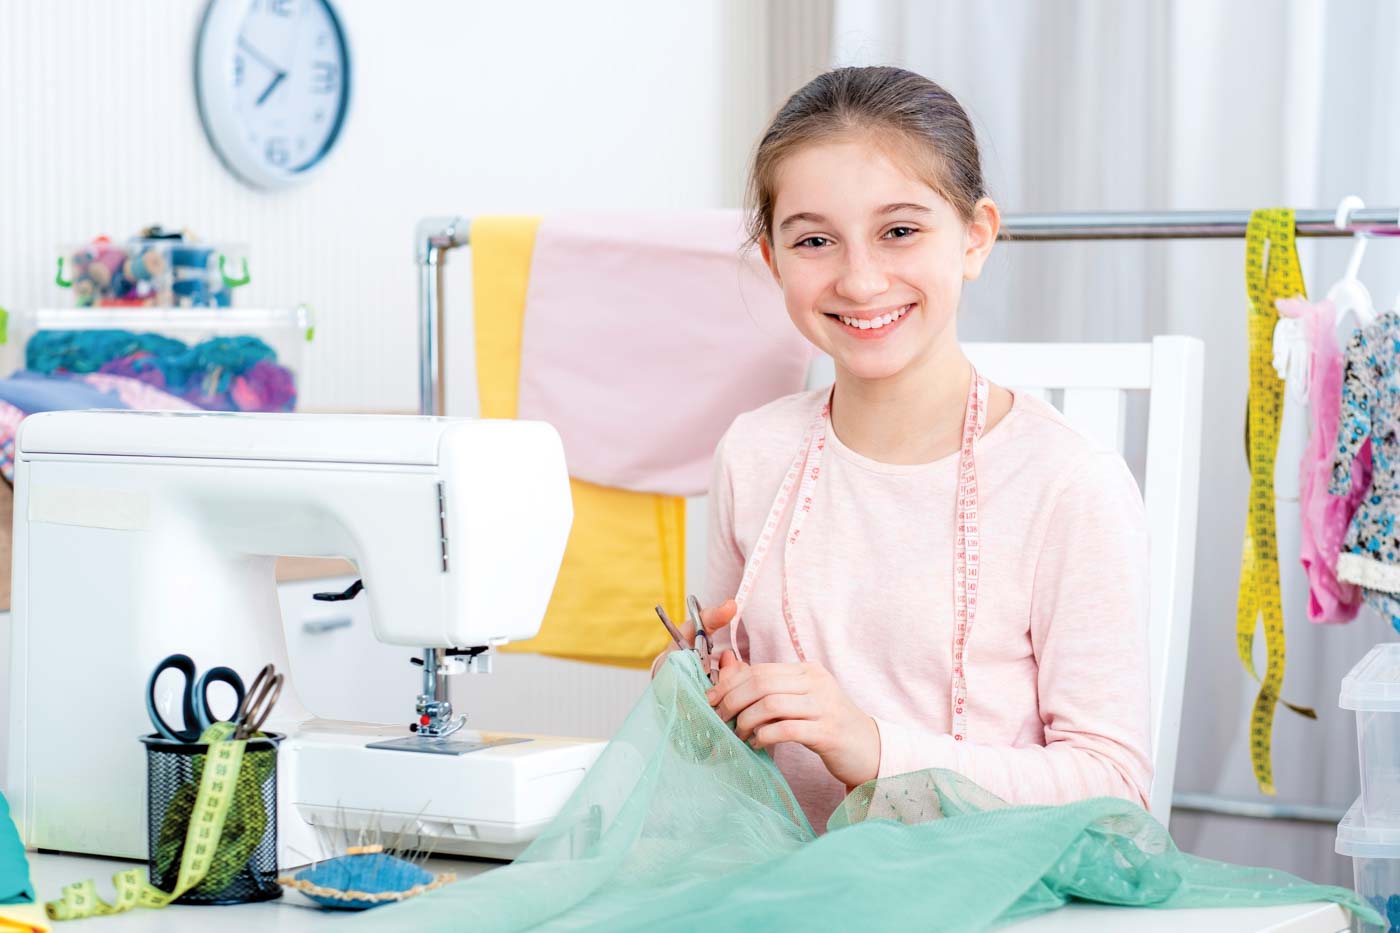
871	260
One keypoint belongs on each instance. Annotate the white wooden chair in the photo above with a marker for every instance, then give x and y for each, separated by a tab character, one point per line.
1093	381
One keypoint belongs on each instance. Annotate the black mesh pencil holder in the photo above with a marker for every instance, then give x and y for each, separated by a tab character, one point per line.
243	868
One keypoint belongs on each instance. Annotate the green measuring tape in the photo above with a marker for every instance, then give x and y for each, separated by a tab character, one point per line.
200	856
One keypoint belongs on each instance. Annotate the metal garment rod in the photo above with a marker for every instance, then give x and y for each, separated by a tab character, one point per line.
434	236
1187	225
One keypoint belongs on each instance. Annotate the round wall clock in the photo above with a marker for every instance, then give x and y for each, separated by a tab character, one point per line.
273	82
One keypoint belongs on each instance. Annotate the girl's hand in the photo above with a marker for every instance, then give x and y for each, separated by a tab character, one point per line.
712	619
799	703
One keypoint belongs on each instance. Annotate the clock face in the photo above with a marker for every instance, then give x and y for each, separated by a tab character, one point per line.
274	85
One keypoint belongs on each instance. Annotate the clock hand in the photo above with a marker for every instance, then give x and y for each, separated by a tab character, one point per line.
267	62
270	88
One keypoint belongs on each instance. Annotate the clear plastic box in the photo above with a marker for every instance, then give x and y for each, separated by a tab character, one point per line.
156	271
232	359
1372	689
1375	860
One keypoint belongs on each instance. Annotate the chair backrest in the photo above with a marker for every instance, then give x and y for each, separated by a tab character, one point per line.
1094	380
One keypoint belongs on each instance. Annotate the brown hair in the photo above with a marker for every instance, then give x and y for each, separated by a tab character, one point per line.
908	111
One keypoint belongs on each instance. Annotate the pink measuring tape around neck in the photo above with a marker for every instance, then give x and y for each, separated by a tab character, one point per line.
802	477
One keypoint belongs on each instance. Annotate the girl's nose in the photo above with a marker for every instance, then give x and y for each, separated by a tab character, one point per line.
862	279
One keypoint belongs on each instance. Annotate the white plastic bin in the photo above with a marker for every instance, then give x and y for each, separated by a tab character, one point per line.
1375	859
216	373
1372	689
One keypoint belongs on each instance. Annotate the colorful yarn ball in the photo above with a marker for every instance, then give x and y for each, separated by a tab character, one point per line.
219	374
265	387
85	351
141	365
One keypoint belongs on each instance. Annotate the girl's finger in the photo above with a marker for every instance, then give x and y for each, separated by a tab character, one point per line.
737	672
801	731
753	688
717	617
772	708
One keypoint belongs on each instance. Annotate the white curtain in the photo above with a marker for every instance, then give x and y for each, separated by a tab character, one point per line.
1181	104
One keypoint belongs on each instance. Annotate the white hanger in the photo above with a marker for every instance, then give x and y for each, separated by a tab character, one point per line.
1349	295
1292	356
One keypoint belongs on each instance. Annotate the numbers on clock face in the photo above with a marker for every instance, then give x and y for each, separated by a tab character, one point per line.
289	84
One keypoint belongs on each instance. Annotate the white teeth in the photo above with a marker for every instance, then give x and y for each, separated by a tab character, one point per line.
876	323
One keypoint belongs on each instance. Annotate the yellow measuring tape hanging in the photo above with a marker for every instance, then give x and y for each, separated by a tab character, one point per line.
1272	231
211	806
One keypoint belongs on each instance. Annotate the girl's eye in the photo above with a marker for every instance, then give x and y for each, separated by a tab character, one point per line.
813	242
899	233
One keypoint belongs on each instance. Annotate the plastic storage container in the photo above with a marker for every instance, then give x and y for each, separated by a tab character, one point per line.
1375	859
161	271
220	359
244	866
1372	689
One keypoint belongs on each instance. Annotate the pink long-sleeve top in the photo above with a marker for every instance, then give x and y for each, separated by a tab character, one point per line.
1057	666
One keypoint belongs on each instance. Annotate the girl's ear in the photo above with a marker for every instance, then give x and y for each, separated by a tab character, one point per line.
765	247
982	233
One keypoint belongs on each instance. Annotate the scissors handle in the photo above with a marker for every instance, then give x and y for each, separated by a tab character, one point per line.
262	697
183	664
226	675
675	633
194	699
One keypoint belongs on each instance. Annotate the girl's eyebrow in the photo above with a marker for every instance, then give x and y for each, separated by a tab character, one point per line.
801	217
809	217
903	207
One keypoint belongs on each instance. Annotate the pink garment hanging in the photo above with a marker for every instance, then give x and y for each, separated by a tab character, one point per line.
645	335
1325	518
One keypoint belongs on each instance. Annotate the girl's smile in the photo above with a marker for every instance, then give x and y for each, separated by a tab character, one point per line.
874	324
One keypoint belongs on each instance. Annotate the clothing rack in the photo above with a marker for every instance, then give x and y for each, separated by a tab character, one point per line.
1188	225
435	237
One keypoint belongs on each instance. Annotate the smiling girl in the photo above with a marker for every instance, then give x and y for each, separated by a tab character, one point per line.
914	568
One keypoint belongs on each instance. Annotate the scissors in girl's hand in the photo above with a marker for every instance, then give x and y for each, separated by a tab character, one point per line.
194	701
701	647
702	639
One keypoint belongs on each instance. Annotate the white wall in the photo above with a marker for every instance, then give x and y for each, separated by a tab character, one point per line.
457	108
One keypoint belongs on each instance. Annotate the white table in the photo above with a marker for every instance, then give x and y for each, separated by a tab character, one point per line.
292	912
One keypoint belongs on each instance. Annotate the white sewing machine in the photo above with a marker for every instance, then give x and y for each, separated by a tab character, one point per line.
141	534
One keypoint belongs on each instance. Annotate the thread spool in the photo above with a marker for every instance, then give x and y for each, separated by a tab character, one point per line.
191	293
105	267
84	291
145	265
191	260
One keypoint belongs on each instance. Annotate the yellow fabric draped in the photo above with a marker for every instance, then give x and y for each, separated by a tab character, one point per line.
626	551
23	918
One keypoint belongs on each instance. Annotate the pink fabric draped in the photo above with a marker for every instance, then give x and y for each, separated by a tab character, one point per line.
645	335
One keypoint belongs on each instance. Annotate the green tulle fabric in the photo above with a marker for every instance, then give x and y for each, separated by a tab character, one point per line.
681	826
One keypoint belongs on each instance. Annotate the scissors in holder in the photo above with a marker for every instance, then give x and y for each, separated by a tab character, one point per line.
194	700
262	697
